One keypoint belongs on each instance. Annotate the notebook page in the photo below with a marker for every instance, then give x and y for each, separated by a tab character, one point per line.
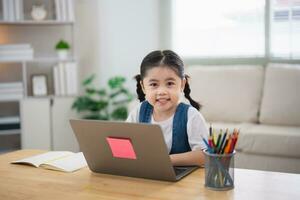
42	158
68	164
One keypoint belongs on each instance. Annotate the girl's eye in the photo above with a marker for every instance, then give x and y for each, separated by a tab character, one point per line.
153	84
170	83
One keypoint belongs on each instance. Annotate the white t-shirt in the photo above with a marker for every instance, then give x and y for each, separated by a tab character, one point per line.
196	127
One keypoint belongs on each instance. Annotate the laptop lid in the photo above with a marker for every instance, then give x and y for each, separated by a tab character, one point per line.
127	149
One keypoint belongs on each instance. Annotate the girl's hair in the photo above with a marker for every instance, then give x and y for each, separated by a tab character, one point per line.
166	58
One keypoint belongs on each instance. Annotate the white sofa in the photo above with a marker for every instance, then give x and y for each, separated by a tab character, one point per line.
263	101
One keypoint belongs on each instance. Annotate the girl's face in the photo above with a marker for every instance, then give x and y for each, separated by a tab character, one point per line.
162	88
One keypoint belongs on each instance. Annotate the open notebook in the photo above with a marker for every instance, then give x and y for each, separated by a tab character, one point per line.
65	161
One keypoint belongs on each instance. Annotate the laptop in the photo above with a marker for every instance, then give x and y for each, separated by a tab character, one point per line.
126	149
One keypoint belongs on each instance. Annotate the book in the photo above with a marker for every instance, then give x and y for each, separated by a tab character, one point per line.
65	78
5	8
64	161
58	10
70	6
56	80
9	52
11	85
71	78
11	10
63	10
15	46
9	123
9	119
11	91
11	97
62	79
9	126
19	10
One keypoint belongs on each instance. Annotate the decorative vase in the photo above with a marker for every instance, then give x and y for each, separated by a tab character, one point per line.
38	12
62	54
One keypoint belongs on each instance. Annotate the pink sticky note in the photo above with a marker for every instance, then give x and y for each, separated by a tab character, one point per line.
121	147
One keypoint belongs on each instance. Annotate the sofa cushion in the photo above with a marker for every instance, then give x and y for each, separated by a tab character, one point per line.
227	93
281	95
267	162
270	140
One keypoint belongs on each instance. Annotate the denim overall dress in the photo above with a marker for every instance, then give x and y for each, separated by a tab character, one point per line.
180	143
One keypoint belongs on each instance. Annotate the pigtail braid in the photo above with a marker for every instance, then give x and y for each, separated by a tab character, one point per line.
187	92
139	91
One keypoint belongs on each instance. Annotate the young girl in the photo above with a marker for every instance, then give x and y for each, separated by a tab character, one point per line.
159	86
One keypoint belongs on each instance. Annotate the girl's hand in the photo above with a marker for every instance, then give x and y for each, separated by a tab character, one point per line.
190	158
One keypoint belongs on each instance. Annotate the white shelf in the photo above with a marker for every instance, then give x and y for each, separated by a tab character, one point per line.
32	22
50	59
50	96
38	59
36	97
14	60
10	99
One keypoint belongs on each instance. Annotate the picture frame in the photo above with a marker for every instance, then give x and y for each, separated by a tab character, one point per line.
39	85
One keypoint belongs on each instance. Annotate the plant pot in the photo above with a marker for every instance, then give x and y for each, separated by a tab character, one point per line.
62	54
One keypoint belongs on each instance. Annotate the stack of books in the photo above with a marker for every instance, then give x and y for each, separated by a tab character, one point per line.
64	10
12	10
16	52
65	79
11	91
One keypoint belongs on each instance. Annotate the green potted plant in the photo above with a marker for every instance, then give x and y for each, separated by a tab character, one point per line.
108	103
62	48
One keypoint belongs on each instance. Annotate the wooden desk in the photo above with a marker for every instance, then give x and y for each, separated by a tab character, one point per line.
26	182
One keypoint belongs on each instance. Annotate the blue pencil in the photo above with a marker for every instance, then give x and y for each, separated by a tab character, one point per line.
207	145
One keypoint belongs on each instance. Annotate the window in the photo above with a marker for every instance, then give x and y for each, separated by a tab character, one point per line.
285	29
231	28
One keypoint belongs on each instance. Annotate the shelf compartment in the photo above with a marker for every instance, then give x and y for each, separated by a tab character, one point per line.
10	125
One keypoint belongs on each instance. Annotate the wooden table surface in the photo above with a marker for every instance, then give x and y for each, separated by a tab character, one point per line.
26	182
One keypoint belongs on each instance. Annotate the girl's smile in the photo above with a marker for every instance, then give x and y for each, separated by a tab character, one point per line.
162	101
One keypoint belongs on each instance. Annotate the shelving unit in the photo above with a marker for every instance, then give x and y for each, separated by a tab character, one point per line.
42	36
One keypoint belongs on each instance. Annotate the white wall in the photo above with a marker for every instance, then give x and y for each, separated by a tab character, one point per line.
113	36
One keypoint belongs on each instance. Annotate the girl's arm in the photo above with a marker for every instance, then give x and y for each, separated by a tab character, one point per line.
195	157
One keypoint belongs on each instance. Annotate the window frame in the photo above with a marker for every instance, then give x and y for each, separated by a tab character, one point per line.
166	42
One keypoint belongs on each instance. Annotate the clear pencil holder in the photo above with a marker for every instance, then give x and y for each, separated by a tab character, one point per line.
219	171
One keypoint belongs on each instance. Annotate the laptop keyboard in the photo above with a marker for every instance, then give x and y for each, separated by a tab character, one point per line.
179	170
